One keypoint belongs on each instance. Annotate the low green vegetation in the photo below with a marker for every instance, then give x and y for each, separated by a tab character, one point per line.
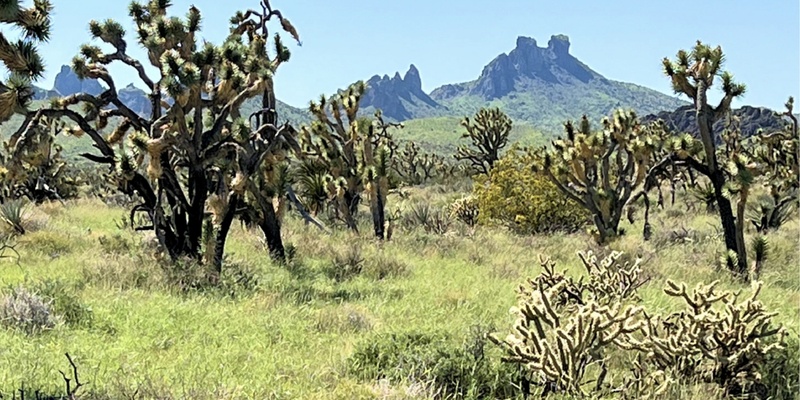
346	318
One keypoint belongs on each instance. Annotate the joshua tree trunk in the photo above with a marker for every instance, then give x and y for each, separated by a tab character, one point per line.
222	234
729	226
378	217
732	230
272	234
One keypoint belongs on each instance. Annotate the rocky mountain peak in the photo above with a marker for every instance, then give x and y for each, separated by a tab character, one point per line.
412	78
67	83
559	45
529	62
397	95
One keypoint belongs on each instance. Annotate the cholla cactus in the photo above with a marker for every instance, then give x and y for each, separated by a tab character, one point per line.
564	326
195	145
600	170
465	210
356	153
489	135
716	338
558	348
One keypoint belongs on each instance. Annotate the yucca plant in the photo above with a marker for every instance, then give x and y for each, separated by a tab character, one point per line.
693	73
599	170
13	214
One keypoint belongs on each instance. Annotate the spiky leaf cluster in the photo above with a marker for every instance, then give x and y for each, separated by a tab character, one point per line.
20	57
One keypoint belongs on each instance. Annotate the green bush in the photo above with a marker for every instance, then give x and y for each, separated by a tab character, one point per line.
65	303
346	263
455	371
526	202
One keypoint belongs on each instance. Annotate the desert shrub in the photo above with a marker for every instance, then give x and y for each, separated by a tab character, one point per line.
346	263
238	280
123	273
431	219
524	201
342	319
26	311
116	244
65	303
383	266
190	276
49	243
455	371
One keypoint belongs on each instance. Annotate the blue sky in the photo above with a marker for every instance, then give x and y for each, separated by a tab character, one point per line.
450	41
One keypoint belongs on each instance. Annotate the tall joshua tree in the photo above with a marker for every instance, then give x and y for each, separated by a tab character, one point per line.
694	73
20	57
195	160
356	154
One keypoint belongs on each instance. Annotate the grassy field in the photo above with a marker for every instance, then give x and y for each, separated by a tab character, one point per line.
288	332
442	135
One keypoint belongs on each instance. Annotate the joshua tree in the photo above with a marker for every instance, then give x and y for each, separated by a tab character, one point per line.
355	153
600	170
693	74
201	156
777	153
489	134
415	167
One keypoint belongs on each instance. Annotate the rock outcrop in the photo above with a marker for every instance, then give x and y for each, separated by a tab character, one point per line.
400	98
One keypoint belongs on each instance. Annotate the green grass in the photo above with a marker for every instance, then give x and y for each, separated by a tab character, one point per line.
443	134
290	337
